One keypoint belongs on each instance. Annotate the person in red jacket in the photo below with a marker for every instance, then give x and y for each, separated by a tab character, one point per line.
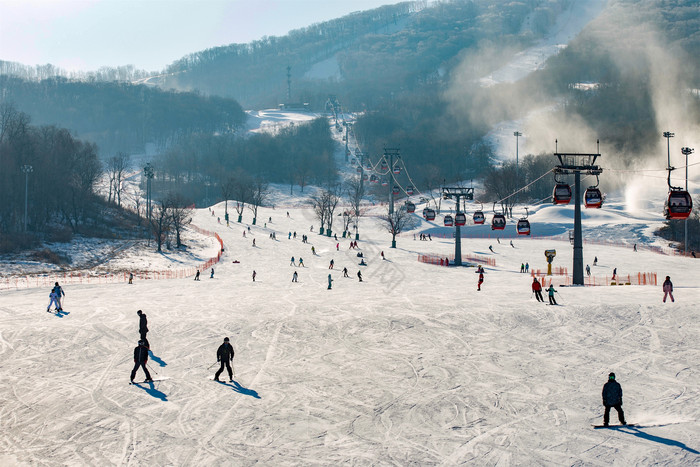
481	281
537	289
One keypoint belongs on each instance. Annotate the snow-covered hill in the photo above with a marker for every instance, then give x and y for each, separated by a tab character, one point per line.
411	366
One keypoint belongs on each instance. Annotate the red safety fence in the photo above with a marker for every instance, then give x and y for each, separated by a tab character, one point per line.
640	278
449	259
87	277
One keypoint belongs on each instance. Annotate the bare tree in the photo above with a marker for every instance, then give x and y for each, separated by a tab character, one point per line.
228	188
324	205
432	181
258	196
180	215
501	183
395	223
116	168
161	222
356	192
242	191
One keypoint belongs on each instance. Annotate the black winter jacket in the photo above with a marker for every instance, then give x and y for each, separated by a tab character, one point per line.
143	323
141	354
612	394
225	352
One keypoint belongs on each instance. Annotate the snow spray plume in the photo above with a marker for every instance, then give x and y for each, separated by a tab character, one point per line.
639	54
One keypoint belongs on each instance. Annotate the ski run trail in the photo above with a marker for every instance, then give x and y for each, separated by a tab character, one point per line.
412	366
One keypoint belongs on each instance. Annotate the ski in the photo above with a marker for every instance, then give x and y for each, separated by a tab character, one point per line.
154	380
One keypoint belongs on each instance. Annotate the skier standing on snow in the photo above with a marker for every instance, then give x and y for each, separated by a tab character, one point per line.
254	274
537	289
143	325
612	397
668	288
345	272
481	281
53	300
292	263
294	277
131	278
224	355
196	276
212	273
59	293
140	360
330	266
359	275
551	291
301	262
330	281
588	270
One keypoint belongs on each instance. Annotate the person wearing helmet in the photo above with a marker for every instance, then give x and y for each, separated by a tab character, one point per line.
225	356
140	360
612	397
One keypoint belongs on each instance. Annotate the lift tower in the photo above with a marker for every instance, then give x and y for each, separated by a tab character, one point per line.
574	163
458	193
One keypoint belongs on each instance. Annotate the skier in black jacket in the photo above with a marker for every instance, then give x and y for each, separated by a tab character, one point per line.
143	325
224	355
140	360
612	397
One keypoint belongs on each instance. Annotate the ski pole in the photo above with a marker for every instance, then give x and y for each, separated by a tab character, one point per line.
149	367
212	365
234	370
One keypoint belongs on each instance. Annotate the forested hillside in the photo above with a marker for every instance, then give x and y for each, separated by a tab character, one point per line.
119	116
378	53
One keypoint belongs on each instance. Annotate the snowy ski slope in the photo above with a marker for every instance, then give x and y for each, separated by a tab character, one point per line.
412	366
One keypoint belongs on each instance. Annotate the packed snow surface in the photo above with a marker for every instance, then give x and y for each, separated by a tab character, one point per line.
411	366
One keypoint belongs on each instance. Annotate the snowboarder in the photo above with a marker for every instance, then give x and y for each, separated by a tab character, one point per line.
131	278
362	262
551	291
491	248
254	274
330	266
140	360
345	272
330	281
212	273
196	276
537	290
481	281
294	277
59	293
612	397
292	263
359	275
588	270
224	355
143	325
668	288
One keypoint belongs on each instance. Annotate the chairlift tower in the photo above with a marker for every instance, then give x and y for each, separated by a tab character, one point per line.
458	193
391	153
574	163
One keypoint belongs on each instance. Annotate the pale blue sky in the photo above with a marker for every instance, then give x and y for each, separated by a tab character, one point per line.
87	34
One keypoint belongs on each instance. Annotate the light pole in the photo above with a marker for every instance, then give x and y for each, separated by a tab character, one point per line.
517	135
27	169
686	152
148	172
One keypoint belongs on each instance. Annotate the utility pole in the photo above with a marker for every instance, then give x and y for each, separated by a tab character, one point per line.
148	172
458	193
27	169
686	152
574	163
391	153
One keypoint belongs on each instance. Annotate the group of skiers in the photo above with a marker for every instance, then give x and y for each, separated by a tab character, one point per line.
537	290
